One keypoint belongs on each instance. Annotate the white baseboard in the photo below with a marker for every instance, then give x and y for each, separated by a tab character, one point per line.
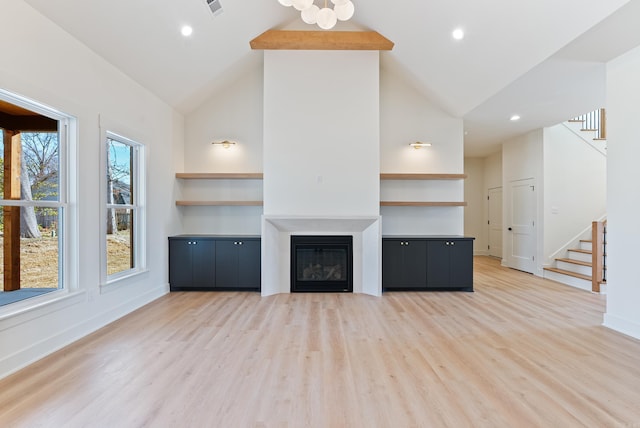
621	325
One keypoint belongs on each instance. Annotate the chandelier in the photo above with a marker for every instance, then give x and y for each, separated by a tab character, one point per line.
325	17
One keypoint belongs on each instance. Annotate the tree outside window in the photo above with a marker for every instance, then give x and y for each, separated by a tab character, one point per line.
123	206
30	259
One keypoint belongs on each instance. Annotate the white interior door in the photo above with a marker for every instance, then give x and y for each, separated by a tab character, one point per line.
495	222
521	225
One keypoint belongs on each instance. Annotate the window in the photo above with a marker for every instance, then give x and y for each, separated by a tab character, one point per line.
124	225
34	199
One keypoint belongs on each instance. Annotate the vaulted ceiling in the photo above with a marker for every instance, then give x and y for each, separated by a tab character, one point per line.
541	59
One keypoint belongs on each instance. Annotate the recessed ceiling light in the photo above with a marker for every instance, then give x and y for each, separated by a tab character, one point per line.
514	118
186	30
458	34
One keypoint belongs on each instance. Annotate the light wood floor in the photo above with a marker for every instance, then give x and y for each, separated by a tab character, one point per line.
519	352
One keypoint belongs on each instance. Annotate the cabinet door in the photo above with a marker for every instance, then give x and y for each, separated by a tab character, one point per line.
249	264
180	263
404	263
461	264
414	264
438	264
226	263
450	264
392	270
202	256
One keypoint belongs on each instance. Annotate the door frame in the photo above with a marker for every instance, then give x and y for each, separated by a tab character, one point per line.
492	251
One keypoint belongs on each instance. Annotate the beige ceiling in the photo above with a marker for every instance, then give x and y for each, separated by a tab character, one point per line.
542	59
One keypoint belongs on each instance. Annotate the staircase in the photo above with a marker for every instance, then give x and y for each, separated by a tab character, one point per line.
595	122
582	268
585	266
592	128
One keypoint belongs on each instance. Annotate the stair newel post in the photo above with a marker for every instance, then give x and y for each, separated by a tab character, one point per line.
597	243
603	124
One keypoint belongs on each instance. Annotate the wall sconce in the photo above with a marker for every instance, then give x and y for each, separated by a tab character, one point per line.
224	143
418	145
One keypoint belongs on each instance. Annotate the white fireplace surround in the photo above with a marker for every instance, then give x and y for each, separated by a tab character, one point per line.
276	247
321	159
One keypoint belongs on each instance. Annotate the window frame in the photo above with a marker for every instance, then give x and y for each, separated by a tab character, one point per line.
137	207
66	205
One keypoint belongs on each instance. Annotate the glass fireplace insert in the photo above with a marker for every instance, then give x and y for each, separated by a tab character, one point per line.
322	263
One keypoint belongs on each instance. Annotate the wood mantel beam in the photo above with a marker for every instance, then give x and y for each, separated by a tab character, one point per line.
321	40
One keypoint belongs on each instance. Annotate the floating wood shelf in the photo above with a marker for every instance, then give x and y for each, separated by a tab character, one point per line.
399	176
421	204
219	203
220	175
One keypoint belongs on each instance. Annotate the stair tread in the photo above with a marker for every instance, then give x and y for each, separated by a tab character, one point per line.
588	130
586	240
578	250
568	273
574	261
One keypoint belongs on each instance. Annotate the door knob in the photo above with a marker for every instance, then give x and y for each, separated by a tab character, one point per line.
510	229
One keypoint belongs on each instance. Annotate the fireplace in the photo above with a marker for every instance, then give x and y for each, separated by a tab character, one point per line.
322	263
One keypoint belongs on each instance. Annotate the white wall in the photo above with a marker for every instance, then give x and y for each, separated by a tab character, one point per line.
493	171
522	158
321	133
406	116
475	213
575	191
623	192
46	64
234	113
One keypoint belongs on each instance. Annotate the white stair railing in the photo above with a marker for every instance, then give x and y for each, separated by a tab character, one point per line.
595	121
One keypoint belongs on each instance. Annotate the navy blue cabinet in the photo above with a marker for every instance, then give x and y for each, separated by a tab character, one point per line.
191	263
450	264
214	262
427	263
238	263
403	263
